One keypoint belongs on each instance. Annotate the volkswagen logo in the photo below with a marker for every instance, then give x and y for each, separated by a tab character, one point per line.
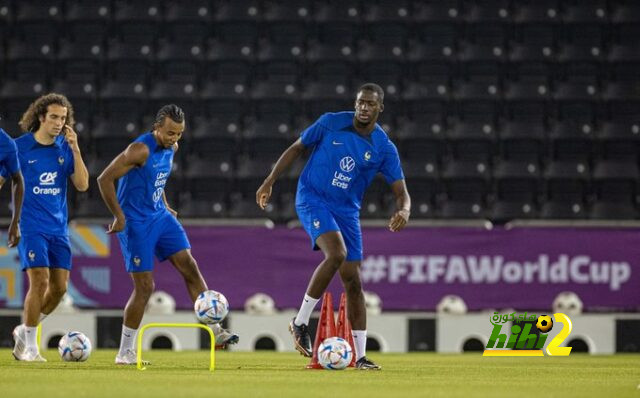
347	164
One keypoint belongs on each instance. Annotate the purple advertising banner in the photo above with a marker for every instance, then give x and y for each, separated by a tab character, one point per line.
520	268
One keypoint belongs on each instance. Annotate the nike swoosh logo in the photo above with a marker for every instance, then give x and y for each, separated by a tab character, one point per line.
337	143
32	161
126	335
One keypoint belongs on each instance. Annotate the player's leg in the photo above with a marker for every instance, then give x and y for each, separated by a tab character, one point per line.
136	242
57	287
187	266
332	245
27	332
325	235
350	276
33	251
60	260
143	286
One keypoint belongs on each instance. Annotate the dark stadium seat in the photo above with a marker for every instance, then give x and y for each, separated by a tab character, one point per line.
179	62
619	141
137	22
523	141
88	21
466	181
504	211
462	210
472	141
188	23
517	181
572	141
567	182
612	211
616	181
29	62
551	210
80	61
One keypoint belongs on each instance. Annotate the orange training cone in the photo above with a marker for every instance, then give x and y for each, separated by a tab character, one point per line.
326	328
344	327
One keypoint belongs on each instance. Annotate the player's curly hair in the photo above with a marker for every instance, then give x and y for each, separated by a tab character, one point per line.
30	120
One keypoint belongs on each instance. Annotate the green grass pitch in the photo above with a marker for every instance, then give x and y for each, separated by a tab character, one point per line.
269	374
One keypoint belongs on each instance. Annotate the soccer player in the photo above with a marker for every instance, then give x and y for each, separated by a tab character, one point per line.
146	225
10	167
49	154
348	150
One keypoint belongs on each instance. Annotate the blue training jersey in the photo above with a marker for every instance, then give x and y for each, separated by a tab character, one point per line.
46	170
140	190
9	163
343	163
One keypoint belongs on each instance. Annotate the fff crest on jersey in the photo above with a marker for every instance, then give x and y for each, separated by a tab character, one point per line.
136	261
61	160
316	224
367	156
32	255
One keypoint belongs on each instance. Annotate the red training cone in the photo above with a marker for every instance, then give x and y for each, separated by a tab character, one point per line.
344	327
326	328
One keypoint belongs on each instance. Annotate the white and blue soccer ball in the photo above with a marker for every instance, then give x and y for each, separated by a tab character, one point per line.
334	353
74	347
211	307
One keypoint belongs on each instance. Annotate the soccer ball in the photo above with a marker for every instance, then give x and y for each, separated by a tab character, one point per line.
567	303
451	304
74	347
334	353
544	323
211	307
260	304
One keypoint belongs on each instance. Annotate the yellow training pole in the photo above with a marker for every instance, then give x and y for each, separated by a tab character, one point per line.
39	336
212	362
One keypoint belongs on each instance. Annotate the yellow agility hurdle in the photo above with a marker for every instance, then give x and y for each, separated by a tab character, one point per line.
212	363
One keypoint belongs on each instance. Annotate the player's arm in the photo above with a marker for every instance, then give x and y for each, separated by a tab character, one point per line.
403	206
166	204
284	162
17	195
135	155
80	176
11	169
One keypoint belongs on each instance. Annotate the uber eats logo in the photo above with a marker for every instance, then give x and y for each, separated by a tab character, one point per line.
522	340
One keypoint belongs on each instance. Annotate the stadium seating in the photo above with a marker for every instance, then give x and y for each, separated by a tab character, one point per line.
500	109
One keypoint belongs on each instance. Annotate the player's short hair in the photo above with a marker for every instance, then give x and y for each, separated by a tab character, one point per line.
30	120
172	111
375	88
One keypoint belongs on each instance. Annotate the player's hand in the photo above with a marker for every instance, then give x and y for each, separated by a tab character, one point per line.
263	194
71	137
173	212
117	225
399	220
14	235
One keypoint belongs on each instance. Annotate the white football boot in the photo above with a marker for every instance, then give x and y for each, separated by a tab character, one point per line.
19	343
30	355
130	357
223	336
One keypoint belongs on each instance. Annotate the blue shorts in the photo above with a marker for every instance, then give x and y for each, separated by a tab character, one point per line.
162	236
43	250
317	219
